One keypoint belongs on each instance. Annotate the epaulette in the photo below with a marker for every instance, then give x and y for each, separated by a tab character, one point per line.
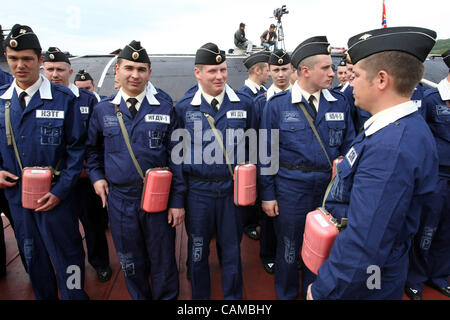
62	89
430	91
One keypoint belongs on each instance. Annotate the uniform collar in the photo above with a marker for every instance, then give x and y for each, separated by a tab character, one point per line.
75	90
42	84
253	86
444	89
97	96
384	118
197	99
298	93
274	89
144	94
345	86
151	88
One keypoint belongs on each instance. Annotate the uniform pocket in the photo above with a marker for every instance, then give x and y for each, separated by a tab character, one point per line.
113	139
292	134
50	131
335	133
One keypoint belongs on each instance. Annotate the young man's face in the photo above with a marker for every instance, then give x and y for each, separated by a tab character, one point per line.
350	74
342	74
212	78
322	74
58	72
281	75
24	65
133	76
265	74
363	90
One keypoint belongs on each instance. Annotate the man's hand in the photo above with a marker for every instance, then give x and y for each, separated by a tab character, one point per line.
101	189
309	294
270	208
48	201
4	183
176	216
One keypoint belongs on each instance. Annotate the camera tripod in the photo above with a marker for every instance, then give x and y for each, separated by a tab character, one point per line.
280	35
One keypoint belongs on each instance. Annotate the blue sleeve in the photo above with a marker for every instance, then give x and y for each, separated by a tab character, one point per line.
350	133
95	165
268	122
381	194
178	187
75	138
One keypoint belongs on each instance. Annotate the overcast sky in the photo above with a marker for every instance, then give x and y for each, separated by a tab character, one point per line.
181	26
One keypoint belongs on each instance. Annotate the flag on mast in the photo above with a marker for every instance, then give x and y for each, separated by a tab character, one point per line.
383	19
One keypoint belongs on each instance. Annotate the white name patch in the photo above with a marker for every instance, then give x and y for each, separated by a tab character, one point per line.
237	114
161	118
334	116
351	156
50	114
84	110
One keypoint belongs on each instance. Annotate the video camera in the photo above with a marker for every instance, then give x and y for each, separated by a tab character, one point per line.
278	13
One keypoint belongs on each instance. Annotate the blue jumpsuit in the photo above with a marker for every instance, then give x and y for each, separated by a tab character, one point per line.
252	92
145	242
304	172
209	203
48	131
380	187
93	217
252	213
430	256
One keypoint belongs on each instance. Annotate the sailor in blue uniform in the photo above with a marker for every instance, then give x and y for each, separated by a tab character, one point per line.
145	242
386	175
258	74
280	69
341	74
210	209
430	256
359	115
57	69
305	171
49	132
83	80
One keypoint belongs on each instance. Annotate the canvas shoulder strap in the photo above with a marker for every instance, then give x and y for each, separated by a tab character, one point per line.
219	139
127	141
313	127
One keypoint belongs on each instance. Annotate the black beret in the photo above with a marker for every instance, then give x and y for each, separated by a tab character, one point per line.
310	47
22	38
343	62
262	56
82	75
415	41
446	58
209	54
279	58
134	52
53	54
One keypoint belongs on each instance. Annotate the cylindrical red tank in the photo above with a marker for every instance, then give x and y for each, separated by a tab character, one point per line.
36	182
244	184
318	238
155	194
